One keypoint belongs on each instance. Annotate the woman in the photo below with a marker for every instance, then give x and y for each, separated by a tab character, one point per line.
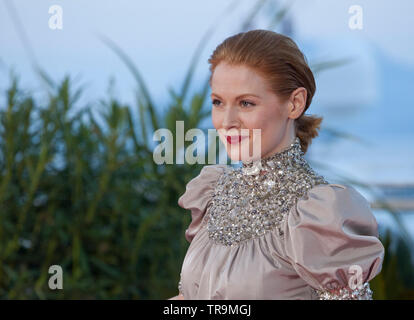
274	228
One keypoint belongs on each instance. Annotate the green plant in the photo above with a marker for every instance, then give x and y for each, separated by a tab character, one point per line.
82	191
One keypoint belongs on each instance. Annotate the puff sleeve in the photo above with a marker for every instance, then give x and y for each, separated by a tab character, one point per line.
331	240
197	197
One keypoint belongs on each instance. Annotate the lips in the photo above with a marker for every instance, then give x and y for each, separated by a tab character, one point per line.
235	139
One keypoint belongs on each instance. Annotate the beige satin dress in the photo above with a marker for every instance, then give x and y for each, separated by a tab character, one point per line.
279	231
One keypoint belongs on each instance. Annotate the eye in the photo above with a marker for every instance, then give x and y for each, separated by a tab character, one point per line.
214	102
247	104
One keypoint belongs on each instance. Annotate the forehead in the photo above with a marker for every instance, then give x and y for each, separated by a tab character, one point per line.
236	79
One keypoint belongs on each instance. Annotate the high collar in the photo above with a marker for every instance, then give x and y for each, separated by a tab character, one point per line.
287	157
247	205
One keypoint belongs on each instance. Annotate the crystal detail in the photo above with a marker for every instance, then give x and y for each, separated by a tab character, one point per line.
252	200
253	169
363	292
269	183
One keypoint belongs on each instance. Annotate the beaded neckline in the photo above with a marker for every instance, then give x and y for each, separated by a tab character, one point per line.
255	199
288	156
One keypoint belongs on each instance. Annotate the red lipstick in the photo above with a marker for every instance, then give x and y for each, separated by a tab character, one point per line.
234	139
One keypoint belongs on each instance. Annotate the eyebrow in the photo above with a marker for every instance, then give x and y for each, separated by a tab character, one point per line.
238	97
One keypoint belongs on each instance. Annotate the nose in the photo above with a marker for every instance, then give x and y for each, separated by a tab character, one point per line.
230	119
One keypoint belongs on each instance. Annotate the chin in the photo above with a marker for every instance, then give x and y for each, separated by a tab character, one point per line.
247	150
234	157
243	153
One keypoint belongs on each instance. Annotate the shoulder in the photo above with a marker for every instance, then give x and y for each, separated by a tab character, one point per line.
198	194
330	231
212	171
335	203
201	186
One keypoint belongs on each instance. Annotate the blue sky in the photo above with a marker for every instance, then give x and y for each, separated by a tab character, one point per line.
370	97
161	35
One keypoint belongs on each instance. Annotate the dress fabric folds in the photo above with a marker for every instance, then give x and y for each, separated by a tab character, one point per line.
322	243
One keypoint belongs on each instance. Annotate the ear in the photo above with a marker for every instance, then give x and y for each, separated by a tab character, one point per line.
297	102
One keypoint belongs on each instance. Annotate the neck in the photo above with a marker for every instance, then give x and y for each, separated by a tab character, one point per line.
288	156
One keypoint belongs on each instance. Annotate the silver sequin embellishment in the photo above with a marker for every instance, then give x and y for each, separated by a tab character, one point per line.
362	293
248	202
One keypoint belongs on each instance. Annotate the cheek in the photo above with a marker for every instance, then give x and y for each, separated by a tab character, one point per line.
268	121
216	119
256	120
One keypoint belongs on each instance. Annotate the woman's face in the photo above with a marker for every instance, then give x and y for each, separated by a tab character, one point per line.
242	102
